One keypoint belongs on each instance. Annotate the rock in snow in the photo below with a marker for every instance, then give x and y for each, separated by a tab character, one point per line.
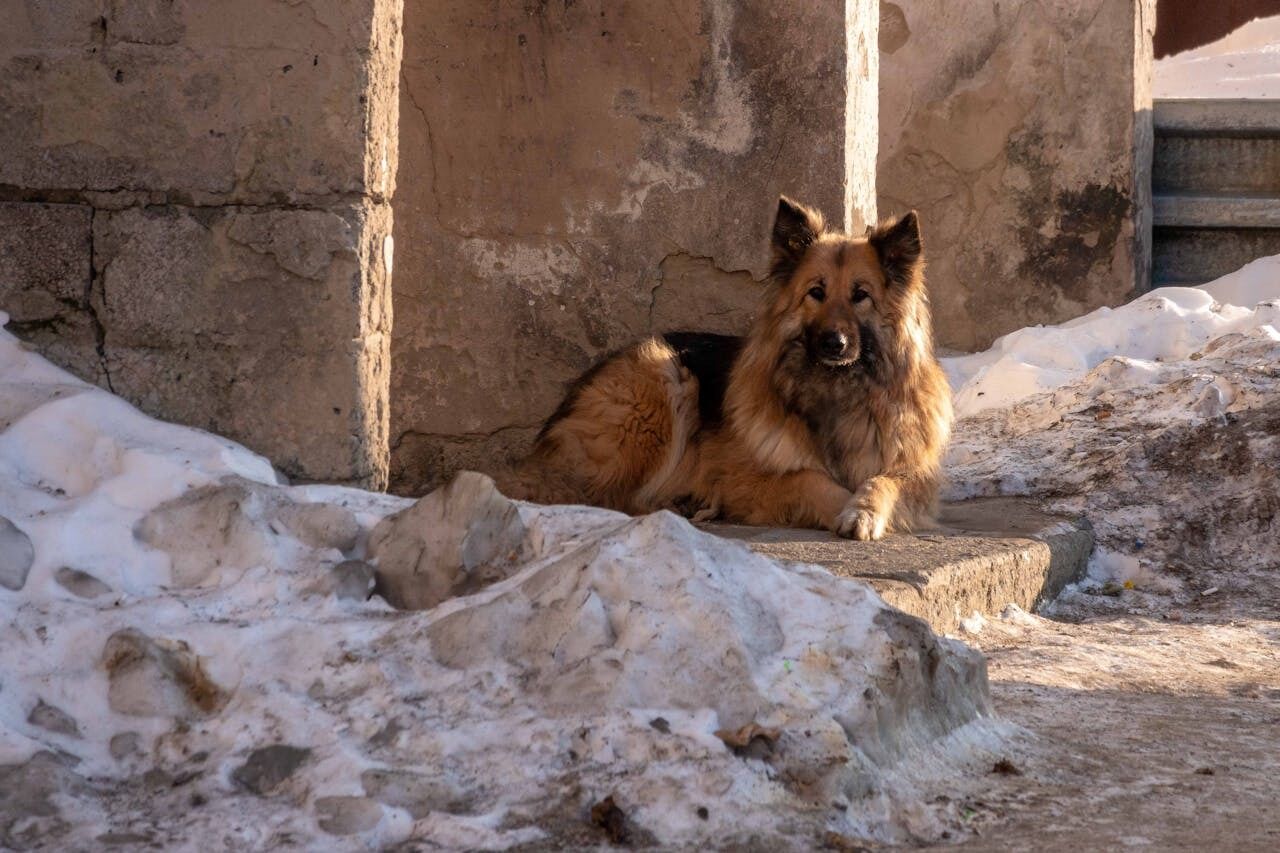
454	541
16	555
157	678
236	685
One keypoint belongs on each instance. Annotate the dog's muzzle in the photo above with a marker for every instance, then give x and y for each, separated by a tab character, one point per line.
834	349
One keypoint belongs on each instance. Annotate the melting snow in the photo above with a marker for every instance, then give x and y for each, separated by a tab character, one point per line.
1158	421
182	660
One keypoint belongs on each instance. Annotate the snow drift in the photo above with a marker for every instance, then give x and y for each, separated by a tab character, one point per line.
1158	421
187	653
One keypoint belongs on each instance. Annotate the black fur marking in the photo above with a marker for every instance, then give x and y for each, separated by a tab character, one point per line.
709	357
870	356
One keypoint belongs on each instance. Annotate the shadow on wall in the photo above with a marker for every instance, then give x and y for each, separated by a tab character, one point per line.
1187	24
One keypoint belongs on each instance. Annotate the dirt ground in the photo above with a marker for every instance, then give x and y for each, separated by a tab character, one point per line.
1152	721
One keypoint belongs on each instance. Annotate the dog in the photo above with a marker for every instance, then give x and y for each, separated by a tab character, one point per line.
832	412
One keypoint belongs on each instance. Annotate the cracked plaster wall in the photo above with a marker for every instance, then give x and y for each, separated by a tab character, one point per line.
578	173
195	212
1022	133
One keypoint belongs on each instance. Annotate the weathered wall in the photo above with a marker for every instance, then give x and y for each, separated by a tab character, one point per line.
578	174
195	212
1022	132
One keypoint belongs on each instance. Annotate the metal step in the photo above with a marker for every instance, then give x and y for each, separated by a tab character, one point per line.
1221	165
1216	187
1217	211
1191	256
1216	117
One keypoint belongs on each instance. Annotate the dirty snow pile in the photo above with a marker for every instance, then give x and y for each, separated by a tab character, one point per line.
1242	64
1158	421
189	653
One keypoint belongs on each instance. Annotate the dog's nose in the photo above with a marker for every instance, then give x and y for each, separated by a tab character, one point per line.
832	344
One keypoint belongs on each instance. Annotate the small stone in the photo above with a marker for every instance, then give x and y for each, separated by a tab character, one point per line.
53	719
613	820
268	768
16	555
353	580
416	793
320	525
81	584
455	541
30	796
347	815
158	678
157	779
210	533
124	744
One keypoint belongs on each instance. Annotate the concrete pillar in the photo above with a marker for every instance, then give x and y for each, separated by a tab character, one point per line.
1022	132
222	173
579	174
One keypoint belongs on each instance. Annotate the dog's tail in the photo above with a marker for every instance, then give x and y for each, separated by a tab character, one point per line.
539	478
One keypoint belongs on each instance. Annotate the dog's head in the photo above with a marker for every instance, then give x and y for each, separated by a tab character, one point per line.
844	297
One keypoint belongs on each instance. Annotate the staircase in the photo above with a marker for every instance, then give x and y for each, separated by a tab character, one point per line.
1215	183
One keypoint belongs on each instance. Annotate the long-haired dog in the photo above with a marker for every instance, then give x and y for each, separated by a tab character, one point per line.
832	412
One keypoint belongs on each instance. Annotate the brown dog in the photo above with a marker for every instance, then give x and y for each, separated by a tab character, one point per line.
832	412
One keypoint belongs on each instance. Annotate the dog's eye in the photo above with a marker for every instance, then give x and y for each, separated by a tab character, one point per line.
859	294
818	292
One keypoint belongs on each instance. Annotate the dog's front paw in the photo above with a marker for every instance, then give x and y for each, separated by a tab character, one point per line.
858	522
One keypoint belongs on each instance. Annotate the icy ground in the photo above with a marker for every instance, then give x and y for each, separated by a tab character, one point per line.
188	659
1242	64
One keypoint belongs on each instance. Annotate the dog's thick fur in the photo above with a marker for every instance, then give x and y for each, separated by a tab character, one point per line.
832	412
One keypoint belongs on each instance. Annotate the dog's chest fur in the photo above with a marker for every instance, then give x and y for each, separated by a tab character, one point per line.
837	406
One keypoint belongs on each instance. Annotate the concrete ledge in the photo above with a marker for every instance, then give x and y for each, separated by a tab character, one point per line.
1206	211
983	555
1217	117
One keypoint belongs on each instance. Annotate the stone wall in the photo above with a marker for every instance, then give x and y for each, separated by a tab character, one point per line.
1022	133
576	175
194	212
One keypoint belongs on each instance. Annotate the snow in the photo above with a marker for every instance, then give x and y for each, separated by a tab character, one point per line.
202	680
1242	64
1166	324
1158	421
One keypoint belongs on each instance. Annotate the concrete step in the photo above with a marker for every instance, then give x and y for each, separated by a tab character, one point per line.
1190	256
981	556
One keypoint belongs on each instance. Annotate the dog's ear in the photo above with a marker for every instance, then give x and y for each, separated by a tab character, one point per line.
794	229
899	247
